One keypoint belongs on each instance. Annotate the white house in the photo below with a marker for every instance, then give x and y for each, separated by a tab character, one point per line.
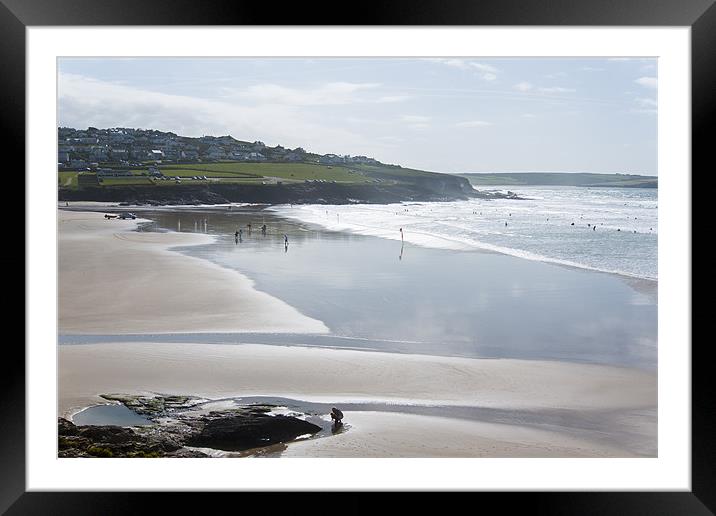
255	156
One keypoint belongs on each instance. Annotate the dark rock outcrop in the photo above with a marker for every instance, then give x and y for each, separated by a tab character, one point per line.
435	187
112	441
182	425
249	430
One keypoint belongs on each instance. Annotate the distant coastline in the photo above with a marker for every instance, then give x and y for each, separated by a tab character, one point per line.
561	179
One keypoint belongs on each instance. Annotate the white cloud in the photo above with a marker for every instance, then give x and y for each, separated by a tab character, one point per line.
486	72
557	89
85	101
592	69
523	86
647	82
646	105
483	67
416	122
644	102
529	115
332	93
415	119
473	123
393	98
456	63
391	139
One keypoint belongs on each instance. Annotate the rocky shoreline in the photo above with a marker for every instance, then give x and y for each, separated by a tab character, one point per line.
450	189
181	424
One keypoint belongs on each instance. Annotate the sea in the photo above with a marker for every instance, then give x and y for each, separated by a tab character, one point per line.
605	229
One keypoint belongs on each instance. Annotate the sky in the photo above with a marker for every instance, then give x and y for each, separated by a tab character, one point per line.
440	114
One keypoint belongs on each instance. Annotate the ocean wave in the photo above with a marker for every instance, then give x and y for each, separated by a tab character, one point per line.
552	229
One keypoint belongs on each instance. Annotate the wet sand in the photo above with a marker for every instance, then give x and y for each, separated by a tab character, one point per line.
394	435
374	294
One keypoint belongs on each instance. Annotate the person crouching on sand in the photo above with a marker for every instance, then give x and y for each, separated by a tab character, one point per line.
336	416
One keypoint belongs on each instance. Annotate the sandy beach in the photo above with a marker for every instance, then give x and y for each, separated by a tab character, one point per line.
561	409
223	371
115	280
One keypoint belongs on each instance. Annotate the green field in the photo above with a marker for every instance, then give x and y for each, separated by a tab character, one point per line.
189	172
287	171
125	181
392	172
262	173
67	179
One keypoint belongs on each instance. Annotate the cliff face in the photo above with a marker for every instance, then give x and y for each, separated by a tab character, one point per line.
437	187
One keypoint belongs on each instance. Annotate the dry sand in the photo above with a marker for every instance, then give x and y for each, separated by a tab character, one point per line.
217	371
316	374
116	281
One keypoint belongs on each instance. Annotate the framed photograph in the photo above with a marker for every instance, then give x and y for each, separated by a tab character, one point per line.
445	249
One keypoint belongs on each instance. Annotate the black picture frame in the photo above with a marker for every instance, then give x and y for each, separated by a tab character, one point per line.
700	15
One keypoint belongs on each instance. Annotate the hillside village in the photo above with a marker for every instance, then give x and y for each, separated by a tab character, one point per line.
89	149
155	167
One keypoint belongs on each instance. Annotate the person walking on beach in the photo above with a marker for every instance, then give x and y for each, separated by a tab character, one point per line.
249	226
285	241
401	234
241	233
263	229
236	237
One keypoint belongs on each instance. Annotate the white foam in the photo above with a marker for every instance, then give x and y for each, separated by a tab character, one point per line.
538	229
